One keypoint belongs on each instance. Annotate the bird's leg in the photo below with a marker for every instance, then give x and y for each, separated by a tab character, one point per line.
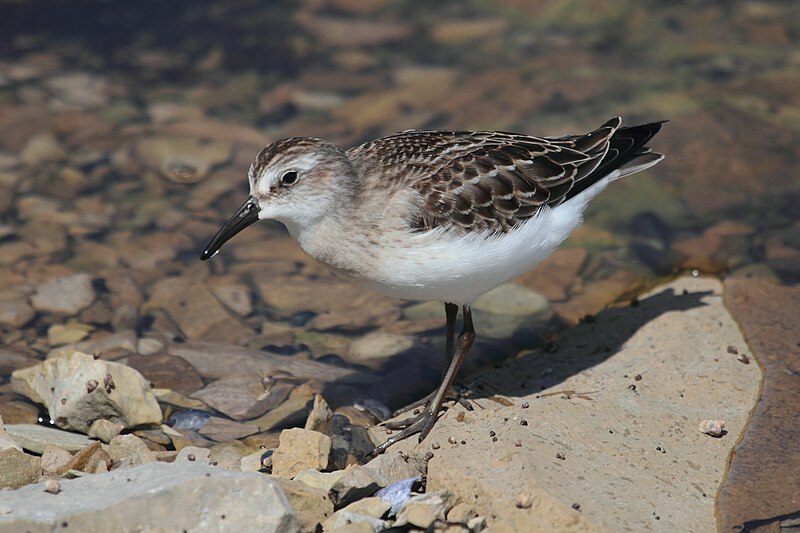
425	421
451	312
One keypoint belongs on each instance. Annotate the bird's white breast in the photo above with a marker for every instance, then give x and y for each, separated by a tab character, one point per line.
447	265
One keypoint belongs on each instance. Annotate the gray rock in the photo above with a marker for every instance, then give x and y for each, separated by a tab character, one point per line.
18	468
360	481
317	479
181	496
77	390
66	295
356	482
36	438
244	396
389	468
499	312
424	509
221	429
214	361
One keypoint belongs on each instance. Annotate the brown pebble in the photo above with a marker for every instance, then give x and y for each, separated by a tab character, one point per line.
494	439
732	350
435	445
523	422
637	377
524	501
743	359
63	401
492	433
108	383
452	440
52	486
561	456
525	405
576	506
460	417
463	442
191	457
91	385
632	387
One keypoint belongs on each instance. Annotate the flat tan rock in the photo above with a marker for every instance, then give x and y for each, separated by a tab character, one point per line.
608	424
196	311
300	449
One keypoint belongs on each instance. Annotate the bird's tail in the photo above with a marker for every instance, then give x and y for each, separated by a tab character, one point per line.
627	154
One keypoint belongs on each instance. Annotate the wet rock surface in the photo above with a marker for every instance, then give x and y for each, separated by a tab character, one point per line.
768	315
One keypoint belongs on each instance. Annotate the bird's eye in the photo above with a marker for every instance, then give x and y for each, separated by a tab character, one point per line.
289	178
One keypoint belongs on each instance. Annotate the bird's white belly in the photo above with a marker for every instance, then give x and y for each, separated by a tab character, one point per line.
447	265
457	268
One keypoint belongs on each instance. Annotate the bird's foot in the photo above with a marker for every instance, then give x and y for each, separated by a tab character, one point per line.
421	423
454	394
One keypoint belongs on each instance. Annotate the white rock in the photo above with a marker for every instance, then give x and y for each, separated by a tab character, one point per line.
65	295
77	390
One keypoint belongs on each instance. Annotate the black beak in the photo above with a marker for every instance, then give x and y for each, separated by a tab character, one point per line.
244	216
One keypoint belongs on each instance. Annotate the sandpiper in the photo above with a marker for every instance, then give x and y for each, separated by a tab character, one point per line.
436	215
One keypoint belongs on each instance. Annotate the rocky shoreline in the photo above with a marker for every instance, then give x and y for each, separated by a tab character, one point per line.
599	433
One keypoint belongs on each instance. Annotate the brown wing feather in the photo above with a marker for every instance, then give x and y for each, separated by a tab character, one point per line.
492	180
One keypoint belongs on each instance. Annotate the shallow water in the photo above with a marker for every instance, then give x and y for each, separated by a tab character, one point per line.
126	131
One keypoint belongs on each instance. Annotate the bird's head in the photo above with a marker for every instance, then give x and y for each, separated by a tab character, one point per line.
296	181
